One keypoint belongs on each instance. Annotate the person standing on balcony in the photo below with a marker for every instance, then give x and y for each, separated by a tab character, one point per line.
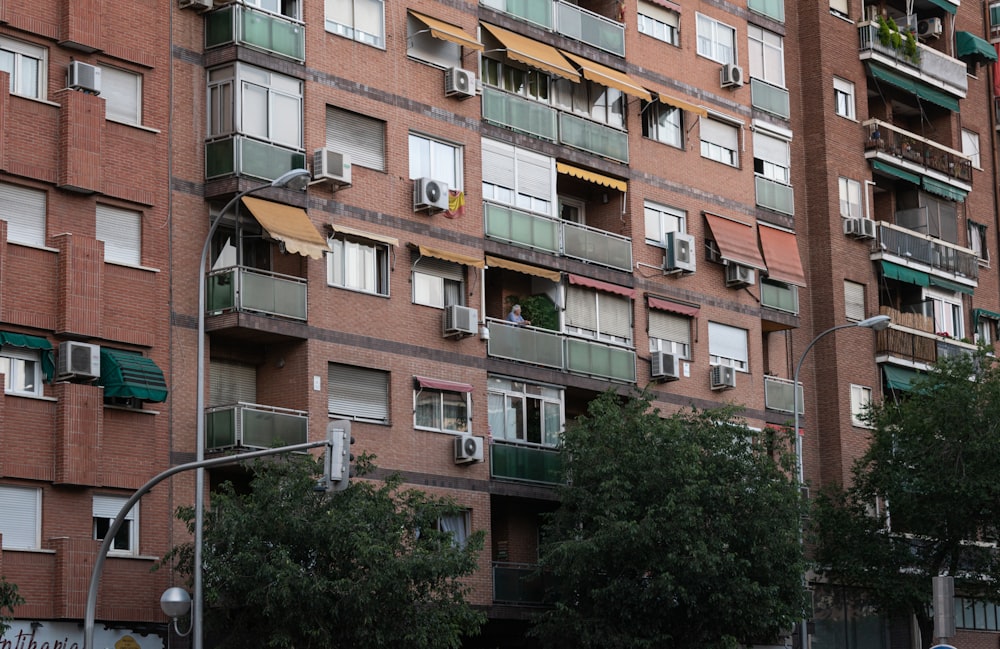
516	317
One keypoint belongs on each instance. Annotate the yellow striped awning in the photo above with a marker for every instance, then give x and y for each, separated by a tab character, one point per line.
613	78
342	229
455	257
289	225
591	176
537	55
683	105
526	269
447	32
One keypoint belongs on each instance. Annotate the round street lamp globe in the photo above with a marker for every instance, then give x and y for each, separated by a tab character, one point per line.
175	602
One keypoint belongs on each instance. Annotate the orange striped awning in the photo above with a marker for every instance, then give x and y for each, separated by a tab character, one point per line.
683	105
525	269
737	241
781	252
447	32
289	225
591	176
613	78
532	53
447	255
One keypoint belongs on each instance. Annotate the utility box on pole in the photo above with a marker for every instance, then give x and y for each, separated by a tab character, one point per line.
337	464
944	606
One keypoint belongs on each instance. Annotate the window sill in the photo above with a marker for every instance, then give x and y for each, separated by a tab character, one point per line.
36	397
355	290
140	411
37	246
37	100
31	550
140	127
441	431
127	265
136	557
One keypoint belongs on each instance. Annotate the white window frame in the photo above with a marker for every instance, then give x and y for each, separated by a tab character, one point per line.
121	231
24	209
518	177
986	331
679	348
971	148
422	45
438	283
659	23
596	102
844	103
767	55
374	36
104	510
122	94
716	40
287	8
367	387
839	7
508	411
15	364
231	110
663	123
723	351
947	312
21	517
976	233
850	198
24	57
528	83
661	219
772	157
601	301
861	397
360	136
357	264
854	301
442	401
431	157
716	145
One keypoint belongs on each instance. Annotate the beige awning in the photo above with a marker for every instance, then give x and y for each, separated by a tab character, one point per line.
340	229
455	257
289	225
683	105
526	269
447	32
613	78
591	176
537	55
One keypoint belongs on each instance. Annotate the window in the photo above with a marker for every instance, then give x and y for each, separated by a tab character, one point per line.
255	102
716	41
530	84
660	220
779	295
20	517
359	265
518	177
26	64
771	157
360	136
446	411
850	198
927	214
720	142
121	232
458	526
970	147
861	398
767	56
947	310
596	314
358	393
438	283
287	8
839	7
727	346
360	20
106	509
986	329
977	241
976	614
854	301
122	93
525	413
423	45
663	123
843	96
24	211
22	370
591	100
659	22
430	158
669	332
231	382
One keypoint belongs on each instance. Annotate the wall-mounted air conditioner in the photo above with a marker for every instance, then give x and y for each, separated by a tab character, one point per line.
731	76
459	321
664	366
739	275
83	76
680	253
860	228
198	5
468	449
459	83
930	28
723	377
333	167
429	195
78	361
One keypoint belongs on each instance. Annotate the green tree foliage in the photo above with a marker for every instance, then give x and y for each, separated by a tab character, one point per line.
287	566
673	532
923	498
9	598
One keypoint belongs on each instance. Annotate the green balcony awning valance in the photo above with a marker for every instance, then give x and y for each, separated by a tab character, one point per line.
943	189
968	45
900	378
9	339
950	7
918	88
124	374
983	313
904	274
895	172
949	285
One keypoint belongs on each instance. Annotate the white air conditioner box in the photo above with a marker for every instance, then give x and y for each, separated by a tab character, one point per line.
429	195
79	360
860	228
664	366
459	321
723	377
83	76
333	167
198	5
468	449
459	83
930	28
680	253
731	76
739	275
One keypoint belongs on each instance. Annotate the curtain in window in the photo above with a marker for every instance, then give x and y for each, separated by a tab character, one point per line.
457	526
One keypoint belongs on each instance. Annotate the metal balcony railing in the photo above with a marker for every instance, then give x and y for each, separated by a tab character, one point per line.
911	337
243	156
928	66
525	463
251	425
883	139
245	25
246	289
940	255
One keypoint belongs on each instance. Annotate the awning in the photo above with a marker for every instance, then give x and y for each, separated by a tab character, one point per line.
440	384
983	313
672	307
437	253
532	53
970	45
918	88
950	7
607	287
289	225
609	77
781	253
10	339
447	32
895	172
950	285
943	189
900	378
667	4
737	241
591	176
525	269
683	105
340	229
124	374
904	274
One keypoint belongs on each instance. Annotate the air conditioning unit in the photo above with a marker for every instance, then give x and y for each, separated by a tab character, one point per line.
740	275
83	76
723	377
198	5
429	195
664	366
731	76
860	228
459	83
468	449
333	167
930	28
79	360
680	253
459	321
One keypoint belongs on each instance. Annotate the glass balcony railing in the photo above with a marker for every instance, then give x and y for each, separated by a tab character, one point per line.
779	395
940	255
774	195
774	9
905	148
592	137
769	98
241	156
535	11
517	583
249	425
243	25
591	28
596	246
779	296
525	463
928	65
245	289
598	359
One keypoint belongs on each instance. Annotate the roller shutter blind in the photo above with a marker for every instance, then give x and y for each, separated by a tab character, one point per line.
724	135
667	326
854	301
614	312
121	232
231	382
24	211
109	506
360	136
358	393
20	515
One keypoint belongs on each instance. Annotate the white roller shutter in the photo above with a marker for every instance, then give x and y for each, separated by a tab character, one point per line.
498	164
121	232
534	175
357	392
581	308
724	135
231	382
615	313
771	149
360	136
668	326
20	517
24	211
109	506
727	342
121	92
854	301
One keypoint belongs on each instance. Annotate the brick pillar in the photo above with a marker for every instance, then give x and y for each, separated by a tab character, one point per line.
81	282
4	111
74	563
79	419
3	262
81	125
81	25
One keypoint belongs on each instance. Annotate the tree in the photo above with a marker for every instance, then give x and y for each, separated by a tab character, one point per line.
9	598
288	566
923	497
672	532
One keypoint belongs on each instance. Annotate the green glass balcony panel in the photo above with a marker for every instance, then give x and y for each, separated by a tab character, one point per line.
593	137
536	11
220	291
596	359
775	196
771	99
589	27
246	157
527	463
780	296
251	426
525	344
220	158
249	26
220	28
220	429
520	114
774	9
517	227
517	583
597	246
778	395
272	294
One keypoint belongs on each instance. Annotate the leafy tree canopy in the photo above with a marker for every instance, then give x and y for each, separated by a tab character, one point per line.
288	566
9	598
673	532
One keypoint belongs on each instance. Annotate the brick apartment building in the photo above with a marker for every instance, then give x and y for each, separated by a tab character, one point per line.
681	195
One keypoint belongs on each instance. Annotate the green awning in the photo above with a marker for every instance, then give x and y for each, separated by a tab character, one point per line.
983	313
969	45
950	285
32	342
900	378
895	172
918	88
904	274
944	4
943	189
125	374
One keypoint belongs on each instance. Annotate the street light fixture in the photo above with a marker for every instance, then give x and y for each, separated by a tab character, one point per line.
175	602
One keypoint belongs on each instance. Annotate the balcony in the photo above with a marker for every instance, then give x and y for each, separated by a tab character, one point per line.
253	426
931	67
774	9
593	138
567	19
560	351
525	463
779	394
245	289
557	237
905	246
909	151
769	98
774	195
241	156
779	296
911	338
243	25
517	583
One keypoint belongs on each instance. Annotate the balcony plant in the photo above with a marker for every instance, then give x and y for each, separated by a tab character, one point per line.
902	41
539	309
